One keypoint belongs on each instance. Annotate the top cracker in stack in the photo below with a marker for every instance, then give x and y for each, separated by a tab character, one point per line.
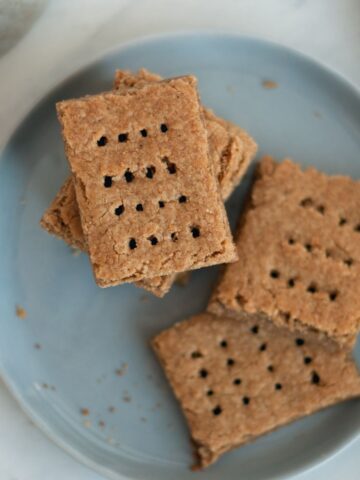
230	148
148	199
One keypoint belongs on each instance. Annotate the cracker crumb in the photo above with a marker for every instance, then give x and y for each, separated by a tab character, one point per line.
126	397
100	379
85	412
269	84
87	423
20	312
37	346
111	409
122	370
45	386
101	423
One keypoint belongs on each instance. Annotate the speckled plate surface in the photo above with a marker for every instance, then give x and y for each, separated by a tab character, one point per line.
80	347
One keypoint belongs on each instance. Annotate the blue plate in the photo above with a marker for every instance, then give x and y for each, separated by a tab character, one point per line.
81	347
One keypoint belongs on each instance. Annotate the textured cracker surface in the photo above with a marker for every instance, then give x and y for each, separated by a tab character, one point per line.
299	253
110	237
255	382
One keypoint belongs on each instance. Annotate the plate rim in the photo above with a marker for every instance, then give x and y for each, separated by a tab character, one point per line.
206	32
29	411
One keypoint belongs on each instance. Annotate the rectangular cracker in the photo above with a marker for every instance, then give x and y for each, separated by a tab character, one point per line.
238	380
231	150
299	253
148	199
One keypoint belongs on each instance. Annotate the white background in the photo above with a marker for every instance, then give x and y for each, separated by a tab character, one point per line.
69	34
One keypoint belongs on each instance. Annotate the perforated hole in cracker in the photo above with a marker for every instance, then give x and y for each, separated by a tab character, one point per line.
123	137
129	176
195	231
312	288
263	347
217	410
150	172
342	221
102	141
171	167
196	354
132	243
107	181
307	202
119	210
153	240
274	273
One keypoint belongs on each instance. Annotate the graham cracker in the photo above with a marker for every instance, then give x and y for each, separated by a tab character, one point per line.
148	199
62	217
237	380
299	253
231	150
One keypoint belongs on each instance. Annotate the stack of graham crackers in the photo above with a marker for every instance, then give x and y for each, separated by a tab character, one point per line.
150	170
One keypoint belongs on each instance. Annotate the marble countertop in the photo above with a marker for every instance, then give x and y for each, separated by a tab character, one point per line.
60	36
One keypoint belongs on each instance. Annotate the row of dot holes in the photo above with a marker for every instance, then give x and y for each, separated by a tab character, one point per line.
150	172
140	208
308	202
312	288
308	247
195	232
123	137
203	373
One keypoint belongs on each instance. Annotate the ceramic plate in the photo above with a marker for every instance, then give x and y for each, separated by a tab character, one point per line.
82	347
